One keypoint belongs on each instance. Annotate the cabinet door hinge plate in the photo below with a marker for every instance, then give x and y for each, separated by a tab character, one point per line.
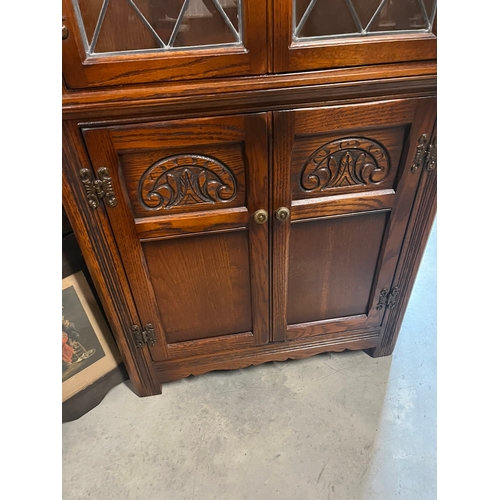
426	154
100	188
387	299
431	159
144	337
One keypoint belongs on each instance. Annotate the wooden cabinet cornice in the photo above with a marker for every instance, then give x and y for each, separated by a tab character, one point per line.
247	186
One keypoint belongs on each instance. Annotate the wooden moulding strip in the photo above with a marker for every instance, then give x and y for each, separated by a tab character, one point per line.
330	206
235	84
211	345
279	351
184	224
251	92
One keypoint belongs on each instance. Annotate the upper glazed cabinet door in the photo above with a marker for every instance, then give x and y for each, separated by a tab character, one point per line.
321	34
120	42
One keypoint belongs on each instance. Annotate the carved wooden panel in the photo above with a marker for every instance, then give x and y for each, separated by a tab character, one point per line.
186	179
344	162
176	180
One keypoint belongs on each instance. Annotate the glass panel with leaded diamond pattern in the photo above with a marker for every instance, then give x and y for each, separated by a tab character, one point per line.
319	19
111	26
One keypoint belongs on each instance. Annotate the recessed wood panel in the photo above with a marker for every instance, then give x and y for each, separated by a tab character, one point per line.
332	266
346	161
201	284
187	179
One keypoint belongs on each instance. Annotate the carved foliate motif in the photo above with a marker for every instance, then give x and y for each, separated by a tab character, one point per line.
186	180
345	162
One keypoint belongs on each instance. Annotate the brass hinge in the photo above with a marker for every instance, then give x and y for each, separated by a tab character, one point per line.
420	152
431	159
146	337
98	188
426	154
387	299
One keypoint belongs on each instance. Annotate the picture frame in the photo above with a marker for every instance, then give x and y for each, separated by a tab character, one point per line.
89	350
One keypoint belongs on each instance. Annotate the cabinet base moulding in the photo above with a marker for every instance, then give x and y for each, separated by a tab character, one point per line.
168	371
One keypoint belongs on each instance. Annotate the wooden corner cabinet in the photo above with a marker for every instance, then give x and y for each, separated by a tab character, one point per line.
249	180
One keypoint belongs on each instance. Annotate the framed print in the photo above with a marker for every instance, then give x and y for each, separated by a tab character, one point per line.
88	349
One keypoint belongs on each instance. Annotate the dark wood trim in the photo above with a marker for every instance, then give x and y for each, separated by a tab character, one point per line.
194	223
95	240
170	370
417	234
384	50
263	93
283	127
256	156
307	208
132	94
100	147
211	345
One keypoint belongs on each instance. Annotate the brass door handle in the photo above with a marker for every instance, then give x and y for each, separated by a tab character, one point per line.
260	217
282	213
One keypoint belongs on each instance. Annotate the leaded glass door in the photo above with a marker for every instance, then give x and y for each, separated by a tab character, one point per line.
140	41
321	34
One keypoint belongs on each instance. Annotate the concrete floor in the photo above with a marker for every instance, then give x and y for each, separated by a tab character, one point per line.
334	426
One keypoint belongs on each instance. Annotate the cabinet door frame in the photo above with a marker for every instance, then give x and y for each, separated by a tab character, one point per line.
83	71
95	239
419	113
104	146
343	52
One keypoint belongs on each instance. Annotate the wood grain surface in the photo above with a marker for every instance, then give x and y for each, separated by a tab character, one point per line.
269	125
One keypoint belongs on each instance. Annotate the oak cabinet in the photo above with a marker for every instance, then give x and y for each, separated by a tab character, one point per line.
230	211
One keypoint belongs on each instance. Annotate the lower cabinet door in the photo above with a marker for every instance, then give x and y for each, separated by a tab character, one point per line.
187	201
348	177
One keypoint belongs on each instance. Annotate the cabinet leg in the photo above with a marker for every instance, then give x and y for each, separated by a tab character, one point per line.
379	352
145	388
